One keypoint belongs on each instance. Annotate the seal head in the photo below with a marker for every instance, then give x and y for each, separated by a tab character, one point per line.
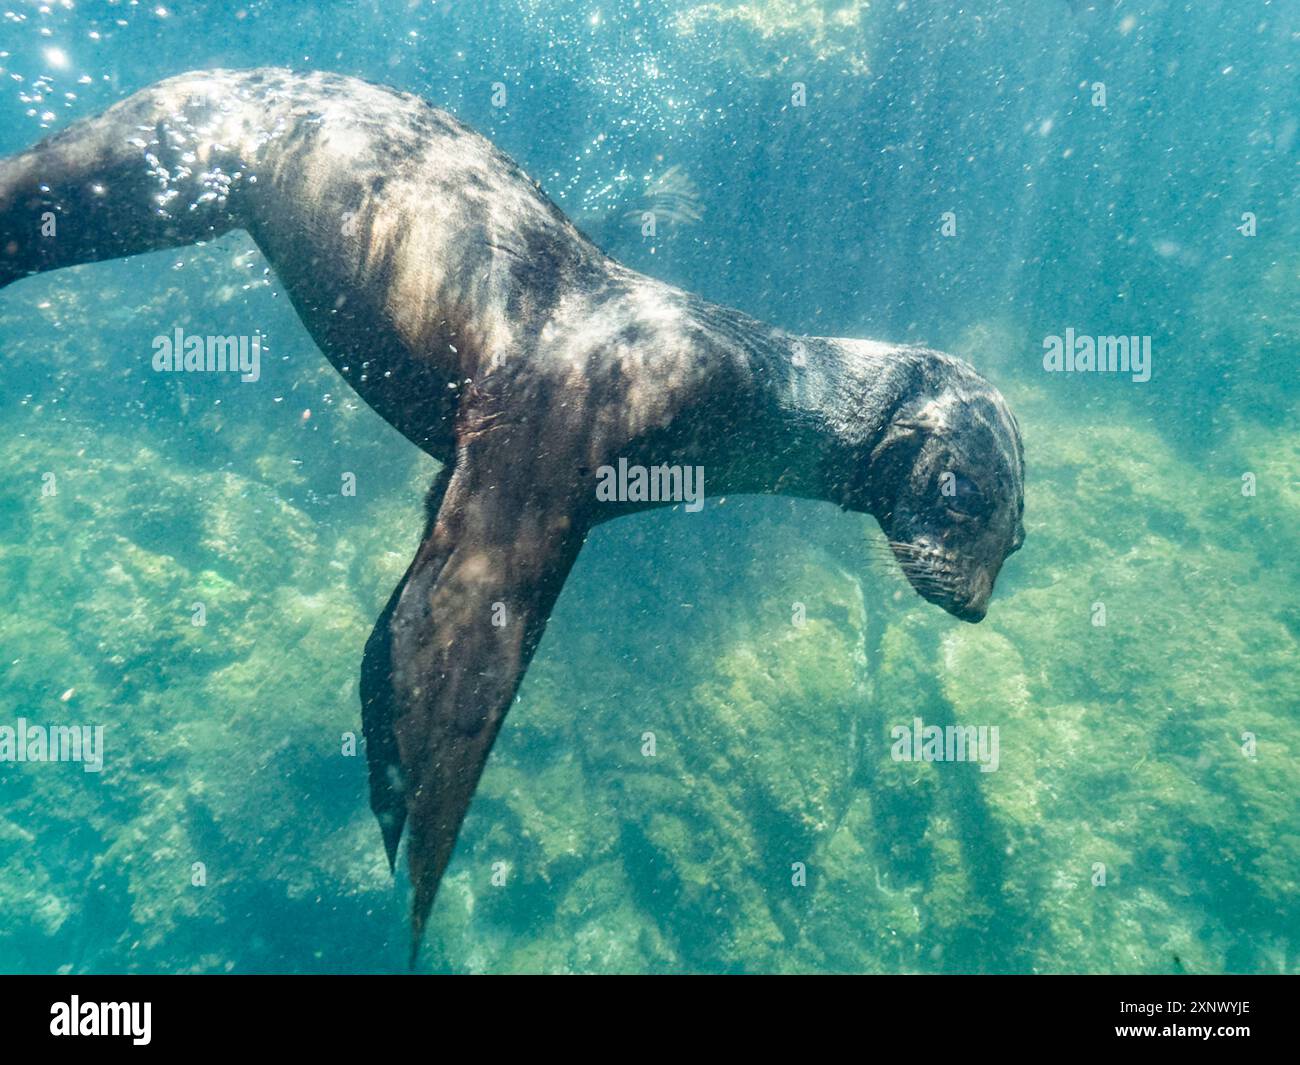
945	479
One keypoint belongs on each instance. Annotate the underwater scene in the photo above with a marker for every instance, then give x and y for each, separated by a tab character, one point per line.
745	743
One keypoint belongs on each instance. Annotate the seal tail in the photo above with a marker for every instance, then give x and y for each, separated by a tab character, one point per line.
157	170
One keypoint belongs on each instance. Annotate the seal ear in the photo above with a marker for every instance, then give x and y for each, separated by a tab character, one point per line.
923	417
907	428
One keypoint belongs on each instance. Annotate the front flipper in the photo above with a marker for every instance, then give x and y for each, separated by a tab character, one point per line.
378	704
470	614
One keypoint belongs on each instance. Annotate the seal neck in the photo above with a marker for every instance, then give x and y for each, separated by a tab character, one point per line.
824	403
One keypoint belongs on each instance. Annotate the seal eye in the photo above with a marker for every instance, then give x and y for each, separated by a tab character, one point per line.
961	495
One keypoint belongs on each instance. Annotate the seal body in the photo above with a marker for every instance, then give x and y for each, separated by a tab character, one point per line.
464	307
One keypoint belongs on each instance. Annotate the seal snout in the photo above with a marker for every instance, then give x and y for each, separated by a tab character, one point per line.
980	592
974	608
960	584
944	582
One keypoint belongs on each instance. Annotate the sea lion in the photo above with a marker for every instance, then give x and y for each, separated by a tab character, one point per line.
466	309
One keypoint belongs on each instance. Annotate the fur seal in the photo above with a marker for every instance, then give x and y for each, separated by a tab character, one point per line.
504	343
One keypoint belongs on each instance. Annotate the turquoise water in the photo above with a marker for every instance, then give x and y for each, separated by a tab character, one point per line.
954	175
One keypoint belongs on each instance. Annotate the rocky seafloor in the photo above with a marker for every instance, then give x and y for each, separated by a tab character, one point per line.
1123	747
